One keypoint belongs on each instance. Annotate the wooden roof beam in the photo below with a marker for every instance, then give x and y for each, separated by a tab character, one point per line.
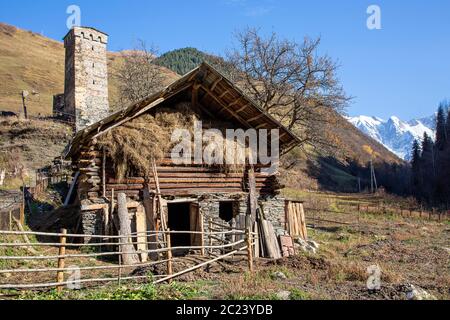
216	83
256	118
223	94
224	107
243	108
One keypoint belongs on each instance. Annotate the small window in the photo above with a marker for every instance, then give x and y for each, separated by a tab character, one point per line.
92	48
226	210
93	65
93	81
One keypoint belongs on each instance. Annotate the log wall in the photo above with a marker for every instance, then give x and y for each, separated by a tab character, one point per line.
175	180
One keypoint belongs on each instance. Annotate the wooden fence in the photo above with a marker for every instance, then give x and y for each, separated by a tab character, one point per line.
45	264
379	209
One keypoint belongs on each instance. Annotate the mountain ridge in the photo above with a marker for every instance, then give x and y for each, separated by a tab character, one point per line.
395	134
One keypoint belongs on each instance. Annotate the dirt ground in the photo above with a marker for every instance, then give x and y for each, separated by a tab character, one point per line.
408	251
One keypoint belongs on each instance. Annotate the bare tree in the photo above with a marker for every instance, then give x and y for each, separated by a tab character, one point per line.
289	80
137	76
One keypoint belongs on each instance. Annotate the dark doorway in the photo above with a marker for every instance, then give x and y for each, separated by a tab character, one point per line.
226	210
179	221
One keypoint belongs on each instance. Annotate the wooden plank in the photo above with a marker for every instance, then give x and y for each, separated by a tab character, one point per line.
141	227
303	221
129	255
150	215
195	224
104	173
72	186
253	197
274	241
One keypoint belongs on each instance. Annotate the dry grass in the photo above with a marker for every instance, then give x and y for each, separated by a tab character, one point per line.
32	62
27	145
136	143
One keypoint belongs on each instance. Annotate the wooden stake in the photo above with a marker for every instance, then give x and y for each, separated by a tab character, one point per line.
22	206
129	253
103	172
169	255
210	234
61	262
10	221
72	186
202	230
249	249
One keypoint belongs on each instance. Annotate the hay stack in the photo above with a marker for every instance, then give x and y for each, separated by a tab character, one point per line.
133	145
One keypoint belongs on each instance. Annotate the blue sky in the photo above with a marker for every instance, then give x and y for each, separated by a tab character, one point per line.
402	69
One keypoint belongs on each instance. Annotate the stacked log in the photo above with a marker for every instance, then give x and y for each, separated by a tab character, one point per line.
177	180
89	164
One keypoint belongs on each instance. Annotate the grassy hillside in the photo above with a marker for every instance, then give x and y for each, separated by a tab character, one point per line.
29	61
30	145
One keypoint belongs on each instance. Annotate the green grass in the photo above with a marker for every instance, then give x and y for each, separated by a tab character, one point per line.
173	291
297	294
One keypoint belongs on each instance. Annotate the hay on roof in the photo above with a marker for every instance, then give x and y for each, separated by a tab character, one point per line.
133	145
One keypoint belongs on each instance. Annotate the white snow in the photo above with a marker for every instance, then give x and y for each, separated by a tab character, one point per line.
395	134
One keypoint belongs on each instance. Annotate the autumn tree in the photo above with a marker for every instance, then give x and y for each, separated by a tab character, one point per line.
137	76
290	80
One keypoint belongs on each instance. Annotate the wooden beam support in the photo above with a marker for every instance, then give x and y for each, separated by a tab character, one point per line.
243	108
216	83
256	118
194	98
242	121
223	94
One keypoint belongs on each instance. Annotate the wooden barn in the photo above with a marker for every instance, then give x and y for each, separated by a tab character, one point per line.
176	196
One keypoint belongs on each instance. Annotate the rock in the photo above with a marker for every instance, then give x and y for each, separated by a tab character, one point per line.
313	244
279	275
283	295
306	245
416	293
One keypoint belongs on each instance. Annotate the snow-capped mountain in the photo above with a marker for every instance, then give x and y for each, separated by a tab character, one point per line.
395	134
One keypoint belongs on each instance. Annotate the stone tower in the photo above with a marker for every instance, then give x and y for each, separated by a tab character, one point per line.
86	76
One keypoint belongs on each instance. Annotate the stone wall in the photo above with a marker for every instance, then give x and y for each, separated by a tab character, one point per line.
92	224
273	208
209	208
86	76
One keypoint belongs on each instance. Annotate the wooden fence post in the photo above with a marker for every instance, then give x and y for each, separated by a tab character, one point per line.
10	221
22	205
210	235
61	262
249	249
169	254
119	276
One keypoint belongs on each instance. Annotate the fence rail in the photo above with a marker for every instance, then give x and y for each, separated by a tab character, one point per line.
433	215
54	262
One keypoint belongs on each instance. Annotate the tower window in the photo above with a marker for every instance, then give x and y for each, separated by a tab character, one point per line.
93	65
93	81
92	48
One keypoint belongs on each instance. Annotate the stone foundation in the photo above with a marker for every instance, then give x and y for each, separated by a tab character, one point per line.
209	208
92	224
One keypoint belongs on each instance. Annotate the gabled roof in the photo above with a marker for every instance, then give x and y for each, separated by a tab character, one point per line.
220	97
